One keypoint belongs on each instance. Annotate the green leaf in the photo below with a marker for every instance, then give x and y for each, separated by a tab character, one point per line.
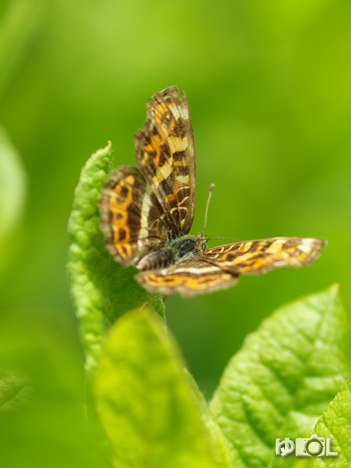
282	379
101	289
335	424
14	391
217	442
144	401
42	421
12	186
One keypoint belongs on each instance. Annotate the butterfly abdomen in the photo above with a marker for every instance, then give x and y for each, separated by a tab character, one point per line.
160	259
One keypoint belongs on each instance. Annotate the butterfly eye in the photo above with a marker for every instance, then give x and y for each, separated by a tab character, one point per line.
188	244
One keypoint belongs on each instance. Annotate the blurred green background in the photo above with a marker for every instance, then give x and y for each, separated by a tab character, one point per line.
268	84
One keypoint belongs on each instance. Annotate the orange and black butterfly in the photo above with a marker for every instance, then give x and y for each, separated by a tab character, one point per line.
147	213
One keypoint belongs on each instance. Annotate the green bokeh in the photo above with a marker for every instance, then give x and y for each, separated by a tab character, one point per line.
268	84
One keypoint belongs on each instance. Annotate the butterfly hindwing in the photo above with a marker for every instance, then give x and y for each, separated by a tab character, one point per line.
262	255
188	278
131	217
165	156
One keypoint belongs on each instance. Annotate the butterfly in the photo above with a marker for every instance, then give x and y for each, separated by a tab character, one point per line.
147	213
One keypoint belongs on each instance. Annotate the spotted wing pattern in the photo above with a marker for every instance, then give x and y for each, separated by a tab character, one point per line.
131	216
188	278
259	256
165	156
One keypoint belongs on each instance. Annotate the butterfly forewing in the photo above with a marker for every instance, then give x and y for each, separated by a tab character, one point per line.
131	216
165	155
262	255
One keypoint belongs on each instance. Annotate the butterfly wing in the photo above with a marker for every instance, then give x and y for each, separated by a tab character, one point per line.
188	278
164	151
131	216
219	267
259	256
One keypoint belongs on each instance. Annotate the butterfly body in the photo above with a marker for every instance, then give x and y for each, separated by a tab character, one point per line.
147	213
177	250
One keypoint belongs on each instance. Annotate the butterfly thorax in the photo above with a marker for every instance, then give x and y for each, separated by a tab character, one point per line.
177	250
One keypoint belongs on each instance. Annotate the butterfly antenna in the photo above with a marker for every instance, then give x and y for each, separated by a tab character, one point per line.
224	238
208	202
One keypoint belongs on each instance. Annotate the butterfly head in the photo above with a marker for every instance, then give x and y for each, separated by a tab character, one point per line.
188	246
193	243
